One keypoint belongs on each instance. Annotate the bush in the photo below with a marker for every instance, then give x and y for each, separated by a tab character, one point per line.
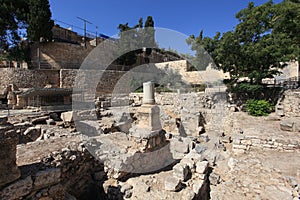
258	107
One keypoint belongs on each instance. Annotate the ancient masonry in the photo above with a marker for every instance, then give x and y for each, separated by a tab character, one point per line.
165	146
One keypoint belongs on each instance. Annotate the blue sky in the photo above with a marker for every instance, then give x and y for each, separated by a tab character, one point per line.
187	17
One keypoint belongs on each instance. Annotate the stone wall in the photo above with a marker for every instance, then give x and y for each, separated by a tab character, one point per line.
60	55
65	174
190	113
290	71
289	104
64	78
24	78
242	143
210	75
67	77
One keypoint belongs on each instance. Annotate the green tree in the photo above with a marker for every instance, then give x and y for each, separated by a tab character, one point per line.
12	19
257	48
149	36
39	20
202	59
136	37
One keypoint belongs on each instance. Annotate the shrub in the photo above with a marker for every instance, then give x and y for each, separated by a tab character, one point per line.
258	107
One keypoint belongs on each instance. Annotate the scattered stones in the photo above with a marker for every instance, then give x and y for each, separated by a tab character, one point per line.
201	167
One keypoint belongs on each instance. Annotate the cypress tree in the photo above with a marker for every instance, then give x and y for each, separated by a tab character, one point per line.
39	20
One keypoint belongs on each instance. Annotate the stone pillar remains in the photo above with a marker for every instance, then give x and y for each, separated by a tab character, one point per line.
148	93
8	142
149	127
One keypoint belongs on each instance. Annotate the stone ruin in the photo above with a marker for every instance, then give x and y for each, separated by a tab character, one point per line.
169	147
9	171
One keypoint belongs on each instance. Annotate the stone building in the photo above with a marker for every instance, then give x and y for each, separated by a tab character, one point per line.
45	98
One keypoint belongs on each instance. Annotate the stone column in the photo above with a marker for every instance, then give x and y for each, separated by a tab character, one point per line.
148	93
148	115
8	143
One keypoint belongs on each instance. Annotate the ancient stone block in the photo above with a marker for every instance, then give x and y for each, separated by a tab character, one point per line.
182	171
287	125
67	116
172	183
47	177
201	167
197	185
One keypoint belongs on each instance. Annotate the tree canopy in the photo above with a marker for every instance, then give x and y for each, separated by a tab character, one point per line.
23	19
139	35
39	20
265	38
13	17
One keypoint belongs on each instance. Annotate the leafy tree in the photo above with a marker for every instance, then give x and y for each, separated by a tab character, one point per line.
12	19
18	16
39	20
264	39
202	59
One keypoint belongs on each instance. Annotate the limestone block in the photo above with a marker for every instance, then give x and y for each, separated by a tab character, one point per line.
237	146
290	124
172	184
67	117
47	177
18	189
201	167
179	147
279	110
89	128
287	125
197	185
189	161
182	171
149	116
237	138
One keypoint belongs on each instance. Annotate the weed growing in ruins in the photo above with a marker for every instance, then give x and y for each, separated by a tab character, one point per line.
258	107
